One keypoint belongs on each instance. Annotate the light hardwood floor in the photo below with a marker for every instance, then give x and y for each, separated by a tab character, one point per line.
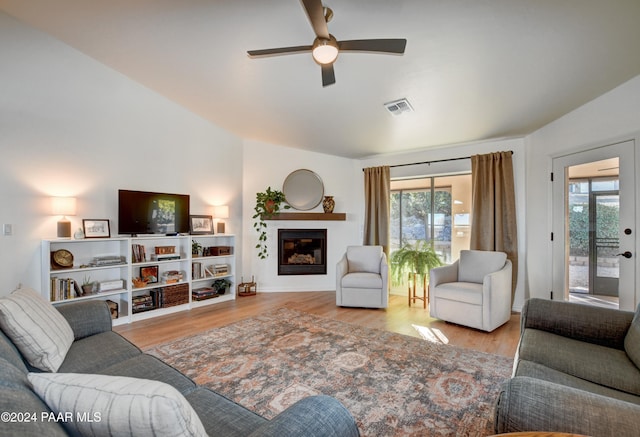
399	317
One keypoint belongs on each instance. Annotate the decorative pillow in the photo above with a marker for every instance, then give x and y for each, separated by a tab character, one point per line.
632	339
39	331
117	405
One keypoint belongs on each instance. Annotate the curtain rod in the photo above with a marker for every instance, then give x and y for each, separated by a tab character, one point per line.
431	162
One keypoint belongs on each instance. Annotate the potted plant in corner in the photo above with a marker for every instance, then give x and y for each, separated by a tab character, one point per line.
414	259
267	204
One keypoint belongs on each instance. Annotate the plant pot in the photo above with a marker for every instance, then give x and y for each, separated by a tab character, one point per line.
269	206
87	289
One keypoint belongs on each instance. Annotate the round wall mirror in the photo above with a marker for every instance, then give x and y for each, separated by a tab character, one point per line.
303	189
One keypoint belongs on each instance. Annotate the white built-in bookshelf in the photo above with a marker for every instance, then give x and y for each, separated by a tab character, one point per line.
141	277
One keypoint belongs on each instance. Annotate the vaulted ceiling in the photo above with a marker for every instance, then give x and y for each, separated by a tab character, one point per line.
472	70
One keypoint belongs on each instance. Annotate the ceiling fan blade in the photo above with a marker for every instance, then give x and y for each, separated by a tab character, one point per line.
278	51
374	45
328	75
315	12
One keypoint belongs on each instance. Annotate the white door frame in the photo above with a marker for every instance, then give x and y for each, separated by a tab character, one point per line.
625	150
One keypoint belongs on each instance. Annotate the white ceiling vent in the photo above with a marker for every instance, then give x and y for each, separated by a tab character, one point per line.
398	107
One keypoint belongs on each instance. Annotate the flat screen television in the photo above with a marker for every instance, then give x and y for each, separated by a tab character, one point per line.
143	212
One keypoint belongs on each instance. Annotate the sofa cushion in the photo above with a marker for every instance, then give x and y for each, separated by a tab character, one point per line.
116	405
364	258
539	371
18	397
474	265
95	353
39	331
221	416
602	365
149	367
632	339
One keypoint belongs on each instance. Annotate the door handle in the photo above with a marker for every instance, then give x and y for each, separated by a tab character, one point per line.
626	254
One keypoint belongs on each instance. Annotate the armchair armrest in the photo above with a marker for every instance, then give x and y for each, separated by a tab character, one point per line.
529	404
443	274
315	416
384	272
499	283
602	326
87	318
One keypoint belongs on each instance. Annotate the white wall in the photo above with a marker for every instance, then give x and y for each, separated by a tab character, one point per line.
268	165
611	117
516	145
70	126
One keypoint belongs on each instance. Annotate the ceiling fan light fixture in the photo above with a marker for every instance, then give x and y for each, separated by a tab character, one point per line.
325	51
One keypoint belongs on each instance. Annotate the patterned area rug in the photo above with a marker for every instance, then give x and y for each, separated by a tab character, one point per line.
394	385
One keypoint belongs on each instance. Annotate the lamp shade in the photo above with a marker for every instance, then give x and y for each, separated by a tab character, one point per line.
63	205
221	211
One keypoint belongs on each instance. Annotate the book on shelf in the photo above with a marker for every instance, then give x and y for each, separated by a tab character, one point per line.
63	289
138	253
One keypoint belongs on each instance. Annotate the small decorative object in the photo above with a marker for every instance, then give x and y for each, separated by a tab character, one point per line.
61	259
201	224
267	204
149	274
195	248
247	288
94	228
87	286
221	285
138	283
79	234
328	204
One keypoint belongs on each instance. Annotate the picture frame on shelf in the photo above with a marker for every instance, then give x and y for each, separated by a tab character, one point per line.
96	228
200	224
149	274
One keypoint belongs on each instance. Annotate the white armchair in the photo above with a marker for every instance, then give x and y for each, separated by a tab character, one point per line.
475	291
362	278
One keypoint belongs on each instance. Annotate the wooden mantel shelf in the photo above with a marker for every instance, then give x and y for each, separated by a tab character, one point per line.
307	216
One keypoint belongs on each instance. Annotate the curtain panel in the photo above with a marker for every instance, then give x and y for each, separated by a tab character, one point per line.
377	193
493	224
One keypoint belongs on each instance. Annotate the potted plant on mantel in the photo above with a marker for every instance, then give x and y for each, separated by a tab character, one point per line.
267	204
414	259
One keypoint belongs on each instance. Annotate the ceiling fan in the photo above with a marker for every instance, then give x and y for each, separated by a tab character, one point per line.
325	47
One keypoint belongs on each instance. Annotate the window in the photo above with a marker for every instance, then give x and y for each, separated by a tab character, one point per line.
433	209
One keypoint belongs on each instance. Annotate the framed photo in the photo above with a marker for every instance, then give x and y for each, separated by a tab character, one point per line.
96	228
149	274
201	224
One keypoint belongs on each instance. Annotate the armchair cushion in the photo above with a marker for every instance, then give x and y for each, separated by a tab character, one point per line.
476	264
364	258
362	280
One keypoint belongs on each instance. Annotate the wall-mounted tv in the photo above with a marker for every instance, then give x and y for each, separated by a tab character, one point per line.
143	212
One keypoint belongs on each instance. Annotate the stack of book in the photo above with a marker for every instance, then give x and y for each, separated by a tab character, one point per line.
144	302
138	253
203	293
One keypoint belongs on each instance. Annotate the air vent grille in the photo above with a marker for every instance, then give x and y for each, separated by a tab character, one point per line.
398	107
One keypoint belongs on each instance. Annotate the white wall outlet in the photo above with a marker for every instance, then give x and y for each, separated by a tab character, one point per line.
7	229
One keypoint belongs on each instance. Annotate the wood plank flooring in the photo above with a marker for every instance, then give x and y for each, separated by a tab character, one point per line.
399	317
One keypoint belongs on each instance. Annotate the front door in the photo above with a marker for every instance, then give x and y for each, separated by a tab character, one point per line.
607	253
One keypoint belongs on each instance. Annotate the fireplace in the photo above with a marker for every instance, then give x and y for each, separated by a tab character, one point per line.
302	251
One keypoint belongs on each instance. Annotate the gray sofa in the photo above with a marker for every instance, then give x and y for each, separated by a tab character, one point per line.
99	350
575	371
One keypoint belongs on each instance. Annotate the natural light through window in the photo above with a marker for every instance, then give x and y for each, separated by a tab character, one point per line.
430	334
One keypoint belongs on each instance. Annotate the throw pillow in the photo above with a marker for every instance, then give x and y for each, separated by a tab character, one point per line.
632	339
38	330
116	405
